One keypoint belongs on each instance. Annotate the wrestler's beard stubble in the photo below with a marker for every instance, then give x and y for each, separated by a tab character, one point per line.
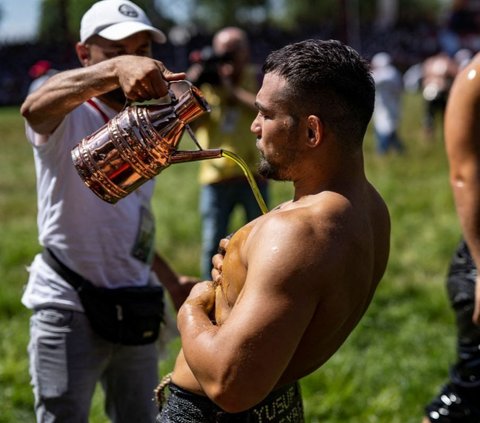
265	169
269	170
276	171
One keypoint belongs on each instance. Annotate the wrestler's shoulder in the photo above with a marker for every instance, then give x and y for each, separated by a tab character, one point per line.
306	217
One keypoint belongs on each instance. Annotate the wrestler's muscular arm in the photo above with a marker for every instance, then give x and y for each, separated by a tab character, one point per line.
462	139
139	77
291	265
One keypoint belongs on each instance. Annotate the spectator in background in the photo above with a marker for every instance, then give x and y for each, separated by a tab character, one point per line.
438	73
388	96
458	399
412	78
40	71
229	82
462	26
86	238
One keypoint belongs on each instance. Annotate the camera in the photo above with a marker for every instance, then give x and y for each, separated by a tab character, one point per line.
208	62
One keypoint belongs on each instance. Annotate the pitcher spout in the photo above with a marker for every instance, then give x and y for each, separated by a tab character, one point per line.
195	155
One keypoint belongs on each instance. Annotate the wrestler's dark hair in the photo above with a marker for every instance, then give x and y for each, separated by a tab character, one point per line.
330	80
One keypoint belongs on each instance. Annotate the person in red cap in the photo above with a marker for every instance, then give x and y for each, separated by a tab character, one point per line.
84	238
40	71
39	68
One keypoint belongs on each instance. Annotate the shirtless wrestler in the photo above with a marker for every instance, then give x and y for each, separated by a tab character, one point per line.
457	401
293	283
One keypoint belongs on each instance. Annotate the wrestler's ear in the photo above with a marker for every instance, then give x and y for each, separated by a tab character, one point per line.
315	129
83	53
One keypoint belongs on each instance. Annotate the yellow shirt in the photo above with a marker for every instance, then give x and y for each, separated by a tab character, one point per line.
227	126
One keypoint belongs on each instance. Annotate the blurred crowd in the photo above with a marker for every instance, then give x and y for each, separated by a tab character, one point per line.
402	43
408	45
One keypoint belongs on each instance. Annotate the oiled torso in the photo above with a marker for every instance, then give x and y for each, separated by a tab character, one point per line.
331	266
227	293
233	276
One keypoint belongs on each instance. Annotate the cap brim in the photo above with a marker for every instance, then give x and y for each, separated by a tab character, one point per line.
123	30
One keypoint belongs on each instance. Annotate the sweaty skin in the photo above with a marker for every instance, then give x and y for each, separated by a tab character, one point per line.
462	135
293	283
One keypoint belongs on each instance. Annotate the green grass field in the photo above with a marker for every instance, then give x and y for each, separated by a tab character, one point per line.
391	365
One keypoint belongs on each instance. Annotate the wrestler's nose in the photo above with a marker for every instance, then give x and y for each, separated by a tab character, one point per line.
255	127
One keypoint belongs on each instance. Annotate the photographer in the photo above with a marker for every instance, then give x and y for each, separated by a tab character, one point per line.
205	64
228	80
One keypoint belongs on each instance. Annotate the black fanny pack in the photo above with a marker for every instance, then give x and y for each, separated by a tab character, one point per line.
128	316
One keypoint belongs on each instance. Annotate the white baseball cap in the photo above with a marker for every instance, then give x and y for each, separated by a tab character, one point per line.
116	20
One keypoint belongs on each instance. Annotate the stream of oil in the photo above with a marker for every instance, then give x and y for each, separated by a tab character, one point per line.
240	162
251	180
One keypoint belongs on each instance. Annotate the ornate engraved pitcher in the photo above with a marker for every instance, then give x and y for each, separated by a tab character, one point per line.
139	143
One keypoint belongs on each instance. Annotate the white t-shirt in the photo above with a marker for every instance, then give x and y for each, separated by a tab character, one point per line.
90	236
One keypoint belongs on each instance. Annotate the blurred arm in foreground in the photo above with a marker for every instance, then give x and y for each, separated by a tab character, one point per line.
457	400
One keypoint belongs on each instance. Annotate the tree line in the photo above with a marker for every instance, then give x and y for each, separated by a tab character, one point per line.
60	19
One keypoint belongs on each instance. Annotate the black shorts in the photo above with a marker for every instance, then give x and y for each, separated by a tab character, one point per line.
282	405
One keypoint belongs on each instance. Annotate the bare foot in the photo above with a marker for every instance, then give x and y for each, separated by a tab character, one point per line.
426	420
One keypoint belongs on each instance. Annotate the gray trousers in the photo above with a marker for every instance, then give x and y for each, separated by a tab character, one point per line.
67	359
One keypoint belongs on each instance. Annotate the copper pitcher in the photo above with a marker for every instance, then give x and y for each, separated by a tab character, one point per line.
140	142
